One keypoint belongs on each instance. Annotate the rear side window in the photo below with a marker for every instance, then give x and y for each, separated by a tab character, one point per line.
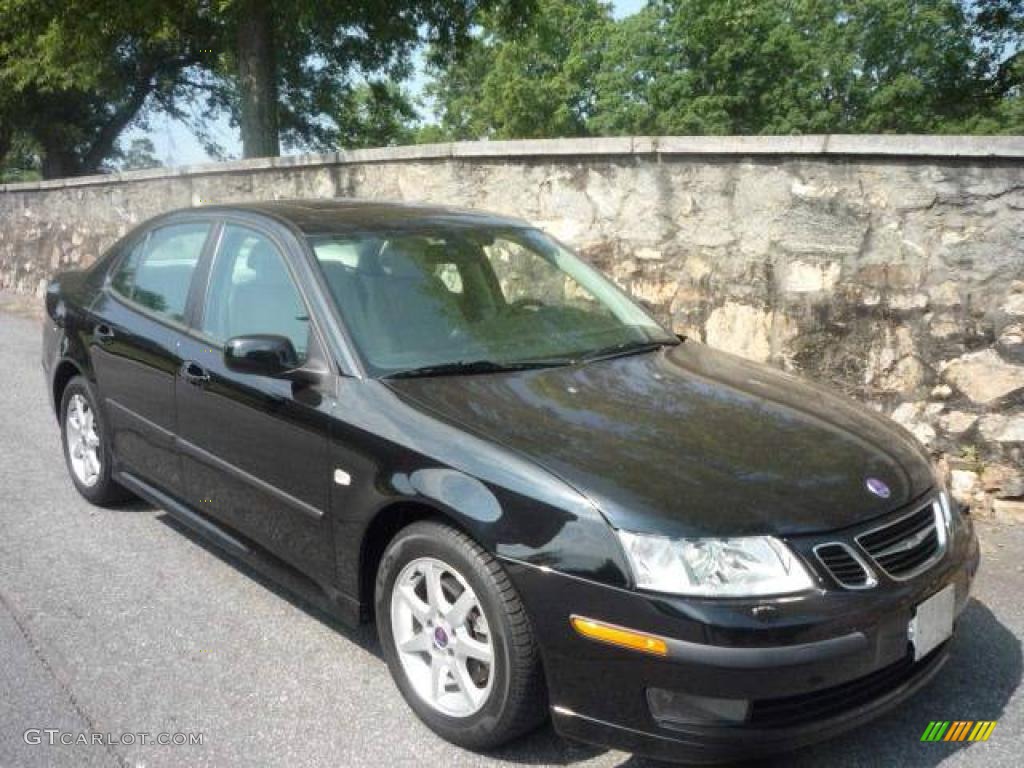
156	274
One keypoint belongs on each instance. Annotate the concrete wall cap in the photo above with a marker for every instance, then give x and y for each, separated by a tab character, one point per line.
866	146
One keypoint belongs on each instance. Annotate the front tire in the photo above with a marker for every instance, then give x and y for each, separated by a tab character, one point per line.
457	639
87	445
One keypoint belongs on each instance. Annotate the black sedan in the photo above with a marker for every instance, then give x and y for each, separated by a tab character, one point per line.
445	422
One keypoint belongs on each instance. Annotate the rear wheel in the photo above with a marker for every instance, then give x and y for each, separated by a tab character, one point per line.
86	447
457	639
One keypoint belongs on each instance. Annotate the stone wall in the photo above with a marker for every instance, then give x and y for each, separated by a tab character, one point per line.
889	267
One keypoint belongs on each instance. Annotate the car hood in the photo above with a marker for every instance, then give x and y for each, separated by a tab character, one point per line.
689	441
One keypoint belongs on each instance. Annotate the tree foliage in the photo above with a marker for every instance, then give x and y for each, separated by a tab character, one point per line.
529	83
74	74
139	155
742	67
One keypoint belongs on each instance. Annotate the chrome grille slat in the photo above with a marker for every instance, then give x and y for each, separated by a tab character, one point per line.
908	546
881	537
845	566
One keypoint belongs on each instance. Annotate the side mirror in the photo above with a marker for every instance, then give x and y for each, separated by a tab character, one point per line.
263	355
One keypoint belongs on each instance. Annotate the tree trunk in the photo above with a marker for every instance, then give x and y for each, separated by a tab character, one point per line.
6	138
57	162
257	79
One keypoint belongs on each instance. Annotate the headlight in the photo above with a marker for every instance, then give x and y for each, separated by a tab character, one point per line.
748	566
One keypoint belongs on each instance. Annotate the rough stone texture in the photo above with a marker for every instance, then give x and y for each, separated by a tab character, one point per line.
888	267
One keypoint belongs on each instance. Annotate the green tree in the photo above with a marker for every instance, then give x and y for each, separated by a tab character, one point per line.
742	67
807	66
375	114
534	82
138	155
75	73
297	65
19	159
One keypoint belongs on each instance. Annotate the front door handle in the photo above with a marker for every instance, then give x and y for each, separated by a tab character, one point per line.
103	333
194	373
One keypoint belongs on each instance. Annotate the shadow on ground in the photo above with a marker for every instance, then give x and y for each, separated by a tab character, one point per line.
976	684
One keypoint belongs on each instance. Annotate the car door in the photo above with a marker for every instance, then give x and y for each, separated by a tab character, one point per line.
138	322
255	448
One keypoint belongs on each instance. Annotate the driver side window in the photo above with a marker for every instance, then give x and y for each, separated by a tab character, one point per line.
252	292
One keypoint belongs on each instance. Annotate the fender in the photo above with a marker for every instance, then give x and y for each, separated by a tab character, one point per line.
463	478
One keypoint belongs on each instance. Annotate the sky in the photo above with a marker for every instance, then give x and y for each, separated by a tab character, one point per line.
175	145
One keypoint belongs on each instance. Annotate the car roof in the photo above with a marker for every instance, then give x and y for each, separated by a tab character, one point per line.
326	216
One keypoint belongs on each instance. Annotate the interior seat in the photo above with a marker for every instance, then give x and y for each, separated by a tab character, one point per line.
408	307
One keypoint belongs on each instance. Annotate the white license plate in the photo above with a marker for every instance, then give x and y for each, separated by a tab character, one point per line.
933	622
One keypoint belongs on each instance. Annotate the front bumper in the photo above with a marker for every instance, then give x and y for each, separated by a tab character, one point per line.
811	665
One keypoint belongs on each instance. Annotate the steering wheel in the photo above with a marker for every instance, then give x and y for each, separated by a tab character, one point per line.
527	303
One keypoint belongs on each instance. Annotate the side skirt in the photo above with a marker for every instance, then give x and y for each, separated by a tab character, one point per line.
326	599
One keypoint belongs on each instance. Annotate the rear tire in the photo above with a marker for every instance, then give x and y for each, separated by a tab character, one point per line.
472	703
86	443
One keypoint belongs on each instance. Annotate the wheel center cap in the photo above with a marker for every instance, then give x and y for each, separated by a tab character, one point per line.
440	637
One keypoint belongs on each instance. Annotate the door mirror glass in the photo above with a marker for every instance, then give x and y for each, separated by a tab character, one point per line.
263	355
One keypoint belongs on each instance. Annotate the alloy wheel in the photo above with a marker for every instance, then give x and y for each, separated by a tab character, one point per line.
83	440
442	637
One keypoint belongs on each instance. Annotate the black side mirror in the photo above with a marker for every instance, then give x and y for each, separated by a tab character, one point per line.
263	355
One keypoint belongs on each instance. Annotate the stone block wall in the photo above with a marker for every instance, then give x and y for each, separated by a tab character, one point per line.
889	267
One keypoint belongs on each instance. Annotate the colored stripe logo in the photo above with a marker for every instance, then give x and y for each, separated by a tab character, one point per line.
958	730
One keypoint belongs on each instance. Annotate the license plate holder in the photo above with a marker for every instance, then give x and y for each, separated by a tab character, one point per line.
932	624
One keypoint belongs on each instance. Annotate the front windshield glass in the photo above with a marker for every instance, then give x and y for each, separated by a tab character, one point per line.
451	296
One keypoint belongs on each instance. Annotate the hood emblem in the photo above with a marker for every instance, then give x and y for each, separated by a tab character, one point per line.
878	487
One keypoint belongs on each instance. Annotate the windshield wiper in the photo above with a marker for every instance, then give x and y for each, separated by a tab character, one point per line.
468	367
625	348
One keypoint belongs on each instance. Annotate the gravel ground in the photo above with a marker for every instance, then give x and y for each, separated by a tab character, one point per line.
119	621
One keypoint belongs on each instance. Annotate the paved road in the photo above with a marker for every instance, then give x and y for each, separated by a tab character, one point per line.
117	621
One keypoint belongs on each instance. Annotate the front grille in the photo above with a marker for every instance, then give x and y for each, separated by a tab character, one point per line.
844	566
829	702
909	545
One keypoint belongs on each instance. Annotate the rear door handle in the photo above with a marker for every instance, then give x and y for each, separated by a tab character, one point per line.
194	373
103	333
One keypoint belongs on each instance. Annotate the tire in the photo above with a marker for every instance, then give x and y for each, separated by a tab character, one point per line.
513	701
94	483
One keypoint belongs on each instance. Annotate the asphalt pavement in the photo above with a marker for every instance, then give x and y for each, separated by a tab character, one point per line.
119	622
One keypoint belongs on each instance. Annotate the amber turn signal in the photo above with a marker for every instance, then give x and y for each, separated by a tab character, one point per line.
624	638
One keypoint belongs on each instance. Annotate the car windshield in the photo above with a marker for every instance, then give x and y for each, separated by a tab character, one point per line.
458	299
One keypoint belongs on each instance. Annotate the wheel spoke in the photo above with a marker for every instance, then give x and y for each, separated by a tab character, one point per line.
438	676
435	595
456	617
465	683
74	416
418	643
420	610
468	647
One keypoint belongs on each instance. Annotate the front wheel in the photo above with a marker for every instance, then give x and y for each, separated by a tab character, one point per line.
456	638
